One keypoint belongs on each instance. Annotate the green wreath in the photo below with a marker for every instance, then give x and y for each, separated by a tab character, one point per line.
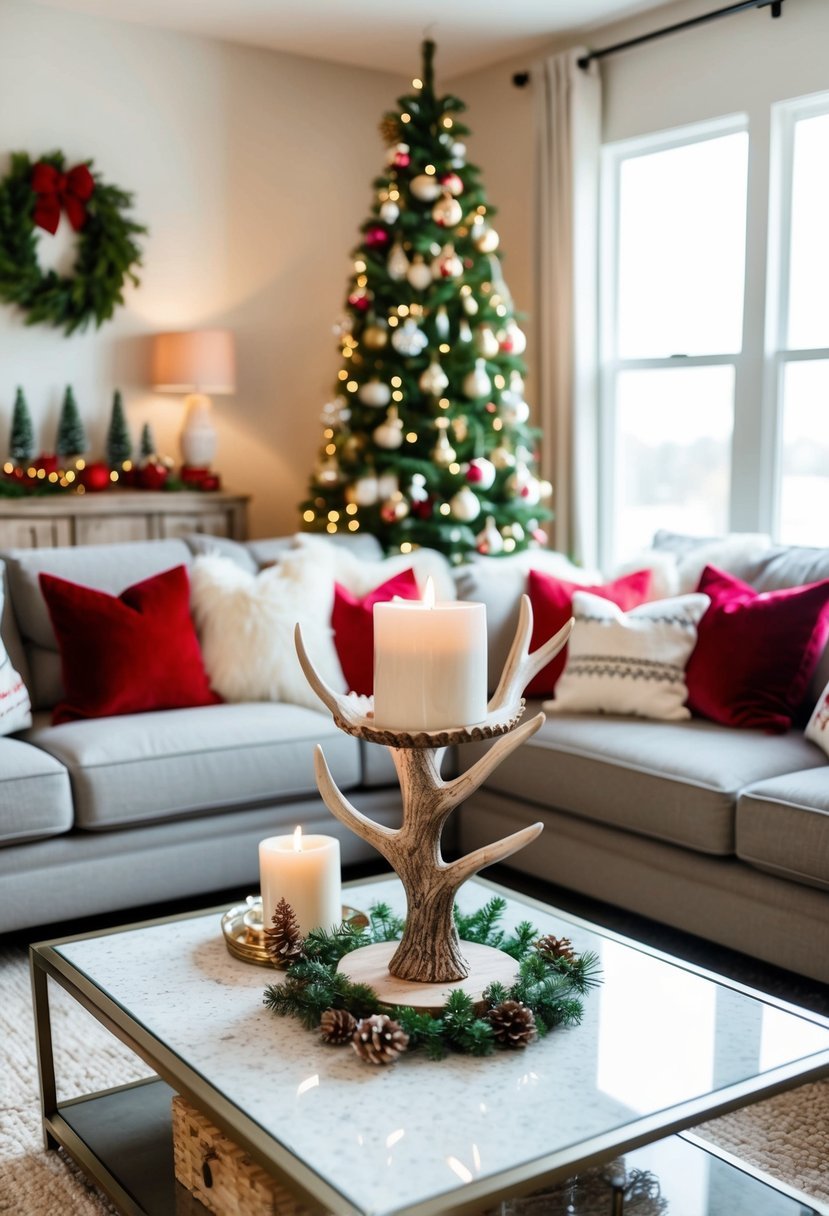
32	195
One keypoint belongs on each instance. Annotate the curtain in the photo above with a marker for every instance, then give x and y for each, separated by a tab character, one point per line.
568	142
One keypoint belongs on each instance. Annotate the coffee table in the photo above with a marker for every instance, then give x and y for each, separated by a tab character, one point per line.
663	1045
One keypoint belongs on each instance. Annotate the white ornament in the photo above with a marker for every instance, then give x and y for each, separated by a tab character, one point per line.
419	274
395	509
470	304
486	343
387	485
447	212
443	453
442	322
408	339
417	490
397	264
425	187
434	380
458	151
514	408
374	392
489	541
328	472
447	264
515	531
389	434
477	382
516	382
480	472
465	505
502	458
484	238
389	211
364	492
452	183
514	341
545	488
464	332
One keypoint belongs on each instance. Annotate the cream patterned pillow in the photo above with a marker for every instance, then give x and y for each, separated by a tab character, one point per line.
817	728
15	707
629	662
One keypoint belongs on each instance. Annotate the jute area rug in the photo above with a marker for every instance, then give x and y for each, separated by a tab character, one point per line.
786	1136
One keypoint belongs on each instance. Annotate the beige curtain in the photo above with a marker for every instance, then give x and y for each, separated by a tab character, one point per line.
568	142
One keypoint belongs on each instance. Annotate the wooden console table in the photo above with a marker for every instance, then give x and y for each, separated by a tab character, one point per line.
119	515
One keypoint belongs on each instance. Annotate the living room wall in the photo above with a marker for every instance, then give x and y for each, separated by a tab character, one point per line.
743	63
252	171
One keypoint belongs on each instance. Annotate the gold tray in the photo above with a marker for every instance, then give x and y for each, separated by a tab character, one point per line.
243	930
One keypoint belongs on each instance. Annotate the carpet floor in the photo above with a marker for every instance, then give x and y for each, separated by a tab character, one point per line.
786	1136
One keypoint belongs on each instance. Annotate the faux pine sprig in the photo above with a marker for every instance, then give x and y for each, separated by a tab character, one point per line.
546	994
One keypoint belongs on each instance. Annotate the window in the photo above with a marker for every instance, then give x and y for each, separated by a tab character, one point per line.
800	337
674	211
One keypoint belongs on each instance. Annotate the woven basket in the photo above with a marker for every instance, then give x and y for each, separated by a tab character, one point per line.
220	1175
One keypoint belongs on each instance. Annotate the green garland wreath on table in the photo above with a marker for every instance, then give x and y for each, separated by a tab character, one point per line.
547	993
33	195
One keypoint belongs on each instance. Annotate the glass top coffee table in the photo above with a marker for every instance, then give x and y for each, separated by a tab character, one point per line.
662	1047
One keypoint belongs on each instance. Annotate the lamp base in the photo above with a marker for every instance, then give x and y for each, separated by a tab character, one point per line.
198	438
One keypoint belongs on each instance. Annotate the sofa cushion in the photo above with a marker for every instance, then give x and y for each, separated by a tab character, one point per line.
677	783
783	826
201	544
352	619
35	797
108	568
202	759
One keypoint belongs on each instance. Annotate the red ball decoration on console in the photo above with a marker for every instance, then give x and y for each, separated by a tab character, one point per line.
153	475
95	477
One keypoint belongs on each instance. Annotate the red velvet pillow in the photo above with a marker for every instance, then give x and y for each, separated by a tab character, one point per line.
353	623
756	651
126	654
552	604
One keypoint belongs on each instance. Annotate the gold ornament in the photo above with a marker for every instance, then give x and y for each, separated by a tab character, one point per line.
443	453
375	336
389	129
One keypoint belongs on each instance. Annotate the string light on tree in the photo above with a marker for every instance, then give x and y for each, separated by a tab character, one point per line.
428	430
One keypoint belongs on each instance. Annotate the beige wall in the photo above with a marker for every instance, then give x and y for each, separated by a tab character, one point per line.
253	172
740	63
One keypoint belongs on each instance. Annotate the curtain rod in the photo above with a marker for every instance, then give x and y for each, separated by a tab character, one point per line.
520	79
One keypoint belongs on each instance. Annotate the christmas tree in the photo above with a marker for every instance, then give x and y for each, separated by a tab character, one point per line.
71	439
119	444
427	440
147	447
22	438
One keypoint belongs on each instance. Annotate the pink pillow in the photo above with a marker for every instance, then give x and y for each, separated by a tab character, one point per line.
756	651
353	623
552	604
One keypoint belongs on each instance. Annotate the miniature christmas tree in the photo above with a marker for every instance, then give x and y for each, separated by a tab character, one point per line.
119	443
22	438
427	440
147	445
71	439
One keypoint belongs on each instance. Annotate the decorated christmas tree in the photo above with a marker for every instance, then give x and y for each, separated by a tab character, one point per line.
119	443
22	437
147	444
427	439
71	439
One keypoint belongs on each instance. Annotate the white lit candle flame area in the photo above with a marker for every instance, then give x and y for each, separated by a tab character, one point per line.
298	839
428	600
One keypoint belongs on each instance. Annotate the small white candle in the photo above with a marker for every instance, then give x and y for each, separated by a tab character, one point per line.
304	870
430	664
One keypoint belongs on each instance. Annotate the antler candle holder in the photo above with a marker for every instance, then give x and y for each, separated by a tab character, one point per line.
430	951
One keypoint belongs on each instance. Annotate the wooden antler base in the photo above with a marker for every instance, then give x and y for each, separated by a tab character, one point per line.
370	965
430	952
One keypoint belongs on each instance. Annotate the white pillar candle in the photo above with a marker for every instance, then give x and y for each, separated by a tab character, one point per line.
430	664
304	870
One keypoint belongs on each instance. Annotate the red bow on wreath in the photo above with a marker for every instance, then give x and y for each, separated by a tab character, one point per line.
55	190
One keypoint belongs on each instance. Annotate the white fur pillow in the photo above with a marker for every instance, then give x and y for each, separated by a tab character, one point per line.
245	624
629	662
361	576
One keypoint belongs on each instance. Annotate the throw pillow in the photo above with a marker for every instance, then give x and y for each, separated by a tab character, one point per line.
629	662
817	728
126	654
353	623
552	605
15	707
246	625
756	651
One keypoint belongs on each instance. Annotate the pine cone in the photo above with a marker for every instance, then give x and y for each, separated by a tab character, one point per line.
389	130
337	1026
283	942
513	1024
379	1040
555	948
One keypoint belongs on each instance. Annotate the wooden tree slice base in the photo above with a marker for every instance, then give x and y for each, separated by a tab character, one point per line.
370	965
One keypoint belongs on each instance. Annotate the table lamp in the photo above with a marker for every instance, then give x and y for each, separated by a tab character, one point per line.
198	363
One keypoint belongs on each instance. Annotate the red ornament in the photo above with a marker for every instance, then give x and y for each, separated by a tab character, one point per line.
402	160
423	510
359	300
58	191
452	183
49	464
193	476
152	476
376	238
95	477
540	536
211	482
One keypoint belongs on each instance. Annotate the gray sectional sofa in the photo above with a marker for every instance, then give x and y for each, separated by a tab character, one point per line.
720	832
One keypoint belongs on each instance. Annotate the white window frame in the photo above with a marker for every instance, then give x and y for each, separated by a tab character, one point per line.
784	117
611	364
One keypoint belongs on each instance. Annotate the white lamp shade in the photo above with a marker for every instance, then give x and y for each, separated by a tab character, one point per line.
194	361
